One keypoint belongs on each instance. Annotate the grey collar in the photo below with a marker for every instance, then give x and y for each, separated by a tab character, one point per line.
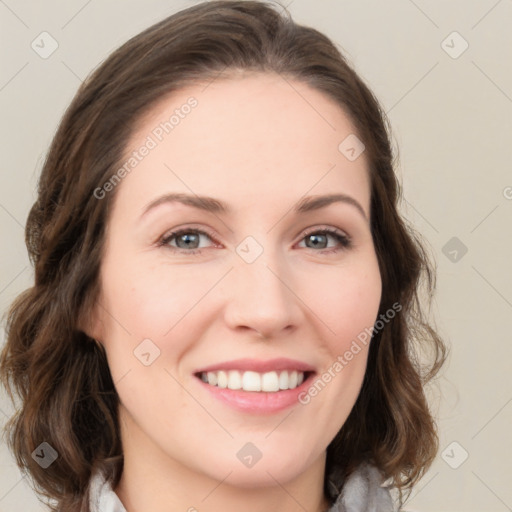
362	492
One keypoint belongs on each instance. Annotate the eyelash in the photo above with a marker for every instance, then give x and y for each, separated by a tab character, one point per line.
344	240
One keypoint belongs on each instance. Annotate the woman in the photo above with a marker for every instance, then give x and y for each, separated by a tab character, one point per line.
189	342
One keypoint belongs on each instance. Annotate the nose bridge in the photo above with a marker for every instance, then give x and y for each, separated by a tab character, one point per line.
260	295
258	268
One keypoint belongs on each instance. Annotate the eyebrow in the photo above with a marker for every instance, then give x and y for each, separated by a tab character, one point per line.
212	205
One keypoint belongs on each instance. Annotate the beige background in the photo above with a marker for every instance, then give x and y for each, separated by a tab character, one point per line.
452	122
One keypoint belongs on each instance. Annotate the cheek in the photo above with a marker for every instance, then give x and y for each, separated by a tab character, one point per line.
150	300
348	308
346	303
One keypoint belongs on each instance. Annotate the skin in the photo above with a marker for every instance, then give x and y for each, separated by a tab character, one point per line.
260	145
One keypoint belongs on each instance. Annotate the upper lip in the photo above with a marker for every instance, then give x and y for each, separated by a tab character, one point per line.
258	365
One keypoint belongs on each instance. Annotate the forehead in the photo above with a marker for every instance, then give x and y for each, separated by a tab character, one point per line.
245	136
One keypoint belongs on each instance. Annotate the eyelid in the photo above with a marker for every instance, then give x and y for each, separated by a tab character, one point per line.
344	239
176	231
326	228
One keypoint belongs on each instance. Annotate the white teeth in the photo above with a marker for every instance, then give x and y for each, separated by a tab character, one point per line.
234	380
292	380
251	381
222	379
283	380
268	382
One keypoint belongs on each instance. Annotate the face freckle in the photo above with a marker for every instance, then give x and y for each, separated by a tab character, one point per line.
256	295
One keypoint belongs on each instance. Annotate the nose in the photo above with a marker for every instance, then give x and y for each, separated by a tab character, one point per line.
261	298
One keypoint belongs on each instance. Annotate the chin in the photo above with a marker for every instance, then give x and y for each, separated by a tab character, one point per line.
264	472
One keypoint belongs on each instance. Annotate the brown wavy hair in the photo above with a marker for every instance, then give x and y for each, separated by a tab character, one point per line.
61	376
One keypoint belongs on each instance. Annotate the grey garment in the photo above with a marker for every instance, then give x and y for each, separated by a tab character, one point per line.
362	492
102	497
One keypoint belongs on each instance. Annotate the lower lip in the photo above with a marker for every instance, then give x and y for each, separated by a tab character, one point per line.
255	401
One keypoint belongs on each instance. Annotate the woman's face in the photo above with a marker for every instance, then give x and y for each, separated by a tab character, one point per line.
251	293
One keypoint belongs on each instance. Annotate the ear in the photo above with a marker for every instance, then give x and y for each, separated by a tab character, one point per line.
91	322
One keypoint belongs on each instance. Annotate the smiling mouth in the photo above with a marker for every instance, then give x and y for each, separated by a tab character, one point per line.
268	382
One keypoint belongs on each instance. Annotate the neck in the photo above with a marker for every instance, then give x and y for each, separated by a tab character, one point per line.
153	480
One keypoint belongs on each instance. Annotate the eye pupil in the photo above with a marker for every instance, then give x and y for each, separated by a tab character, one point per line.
187	238
315	239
